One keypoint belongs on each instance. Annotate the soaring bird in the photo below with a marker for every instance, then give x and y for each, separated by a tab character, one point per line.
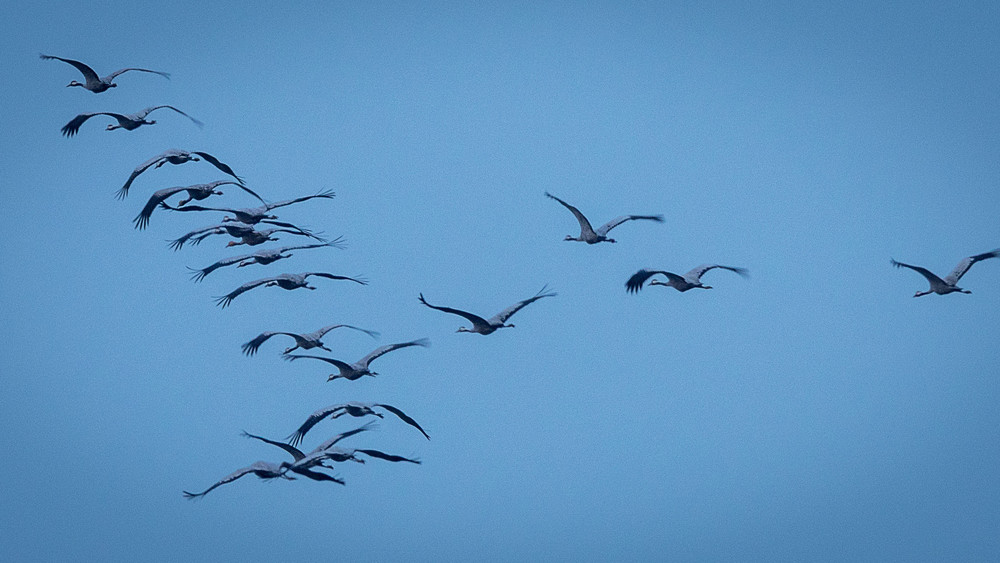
284	281
488	326
353	409
127	122
947	285
254	215
195	192
304	341
263	257
175	156
95	83
589	235
244	232
262	469
683	283
359	368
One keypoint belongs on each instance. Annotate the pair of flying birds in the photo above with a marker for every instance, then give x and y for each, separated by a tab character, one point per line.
98	84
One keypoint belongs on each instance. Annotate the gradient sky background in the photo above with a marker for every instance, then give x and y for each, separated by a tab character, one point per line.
814	411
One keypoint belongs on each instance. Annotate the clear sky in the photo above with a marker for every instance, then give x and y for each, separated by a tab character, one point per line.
815	411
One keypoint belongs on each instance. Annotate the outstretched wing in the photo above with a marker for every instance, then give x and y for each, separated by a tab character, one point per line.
165	205
402	416
115	74
225	300
294	230
73	126
931	277
340	365
250	348
292	450
334	243
176	244
142	168
319	333
198	275
315	475
507	313
88	73
967	263
389	348
297	230
634	283
388	457
585	227
218	164
313	420
332	441
359	279
603	230
142	114
261	466
328	194
695	274
476	320
244	188
142	219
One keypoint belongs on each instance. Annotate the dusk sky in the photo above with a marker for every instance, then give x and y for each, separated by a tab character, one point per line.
813	411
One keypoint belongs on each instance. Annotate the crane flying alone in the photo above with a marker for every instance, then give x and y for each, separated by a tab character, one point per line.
690	280
95	83
488	326
947	285
284	281
174	156
352	409
304	341
589	235
360	368
127	121
263	257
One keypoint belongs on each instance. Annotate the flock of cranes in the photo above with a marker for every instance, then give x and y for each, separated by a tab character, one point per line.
241	224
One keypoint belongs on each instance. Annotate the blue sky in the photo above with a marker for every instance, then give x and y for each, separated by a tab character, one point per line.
814	411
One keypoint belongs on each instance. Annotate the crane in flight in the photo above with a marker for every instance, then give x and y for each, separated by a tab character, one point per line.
92	81
360	368
488	326
304	341
352	409
175	156
690	280
589	235
126	121
263	257
284	281
947	284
